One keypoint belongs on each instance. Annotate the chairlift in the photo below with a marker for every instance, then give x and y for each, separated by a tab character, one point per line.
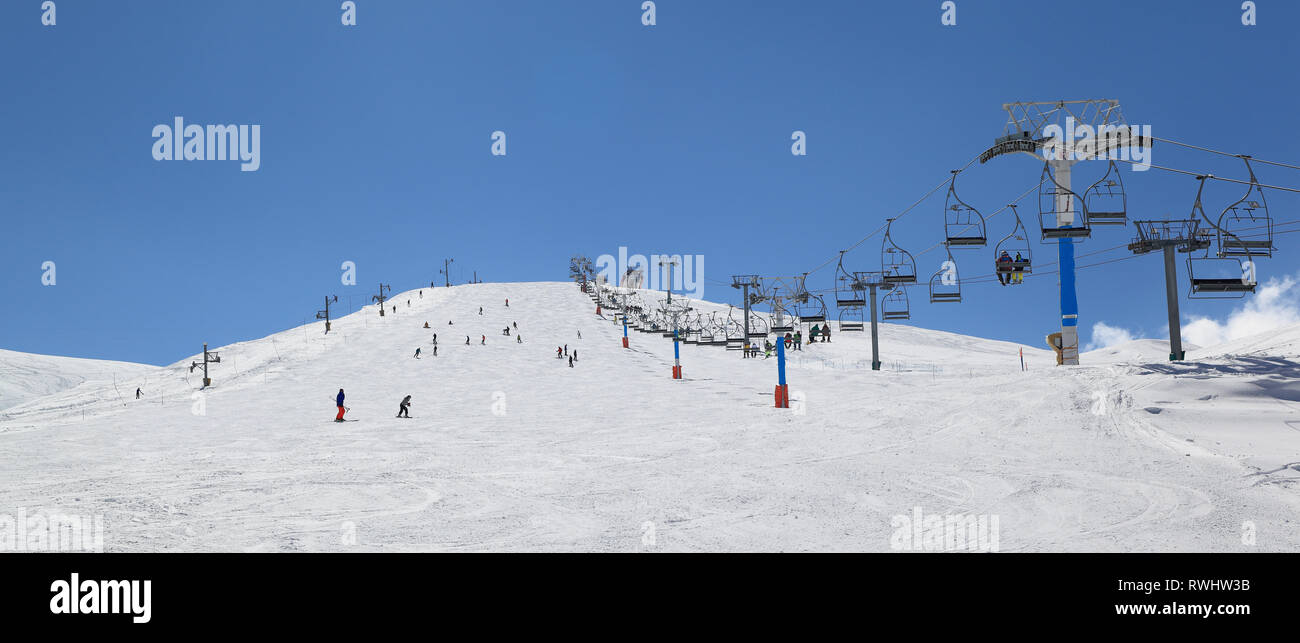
809	308
758	327
1221	276
1061	213
1016	247
945	285
783	317
963	225
851	319
896	263
894	306
1245	227
735	331
847	290
1106	202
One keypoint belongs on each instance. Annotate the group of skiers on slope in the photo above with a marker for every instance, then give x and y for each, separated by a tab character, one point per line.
1011	270
562	351
403	408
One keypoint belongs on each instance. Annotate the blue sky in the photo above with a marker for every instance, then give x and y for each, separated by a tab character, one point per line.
375	148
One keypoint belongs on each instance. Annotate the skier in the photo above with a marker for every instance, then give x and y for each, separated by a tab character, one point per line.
1019	275
506	331
570	361
137	393
507	302
435	339
404	410
339	401
426	324
798	340
575	354
421	294
467	340
812	334
435	351
449	322
417	353
483	341
559	353
519	339
515	324
579	334
408	303
566	349
1004	267
480	310
826	333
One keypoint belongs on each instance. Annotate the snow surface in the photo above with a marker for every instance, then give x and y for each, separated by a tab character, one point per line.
25	377
510	449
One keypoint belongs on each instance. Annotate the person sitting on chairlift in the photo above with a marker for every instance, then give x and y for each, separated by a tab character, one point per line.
1004	267
1018	276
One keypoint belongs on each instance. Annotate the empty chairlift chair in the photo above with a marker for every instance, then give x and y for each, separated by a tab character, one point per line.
1013	257
945	285
963	225
809	308
783	318
1245	228
848	291
1215	275
894	305
851	319
896	263
1061	213
1106	201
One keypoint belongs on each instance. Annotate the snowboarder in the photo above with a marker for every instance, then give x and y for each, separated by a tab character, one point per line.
570	361
519	339
137	393
507	302
483	341
339	401
467	340
449	322
426	324
480	310
566	349
421	294
579	334
435	351
506	331
515	324
404	409
435	339
575	354
417	353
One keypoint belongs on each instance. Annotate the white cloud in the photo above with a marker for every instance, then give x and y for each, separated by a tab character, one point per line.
1274	305
1104	336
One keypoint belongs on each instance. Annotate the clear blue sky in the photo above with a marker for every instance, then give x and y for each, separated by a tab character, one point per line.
670	139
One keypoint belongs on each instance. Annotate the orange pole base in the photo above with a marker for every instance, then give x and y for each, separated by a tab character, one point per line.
677	372
624	342
782	396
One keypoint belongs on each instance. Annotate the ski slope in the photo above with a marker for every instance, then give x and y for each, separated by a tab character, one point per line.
509	449
25	377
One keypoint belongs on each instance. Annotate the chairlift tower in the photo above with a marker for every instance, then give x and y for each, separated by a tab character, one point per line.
871	282
744	283
209	357
1170	236
1026	132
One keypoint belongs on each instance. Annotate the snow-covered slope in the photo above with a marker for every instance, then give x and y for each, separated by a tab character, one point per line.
510	449
24	376
1137	351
